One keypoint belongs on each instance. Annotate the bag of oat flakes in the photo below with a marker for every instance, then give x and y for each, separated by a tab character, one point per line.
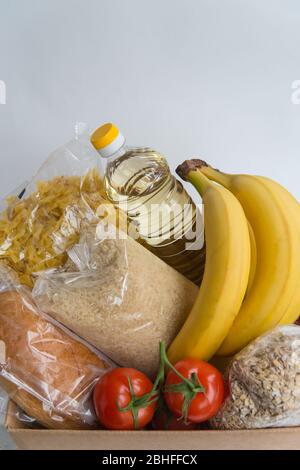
264	383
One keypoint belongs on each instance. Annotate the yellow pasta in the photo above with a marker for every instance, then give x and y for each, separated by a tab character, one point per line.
35	232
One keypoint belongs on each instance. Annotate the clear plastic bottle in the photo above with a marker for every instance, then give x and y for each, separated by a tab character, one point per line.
139	182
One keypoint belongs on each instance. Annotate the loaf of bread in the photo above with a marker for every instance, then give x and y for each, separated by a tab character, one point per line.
49	374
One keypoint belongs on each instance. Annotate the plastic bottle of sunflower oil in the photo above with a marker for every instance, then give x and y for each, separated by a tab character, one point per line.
139	182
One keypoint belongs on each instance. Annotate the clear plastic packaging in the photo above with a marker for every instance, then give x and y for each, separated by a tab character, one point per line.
42	220
44	368
264	383
69	276
118	296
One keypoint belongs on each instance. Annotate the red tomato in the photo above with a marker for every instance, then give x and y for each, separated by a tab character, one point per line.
124	388
167	421
200	400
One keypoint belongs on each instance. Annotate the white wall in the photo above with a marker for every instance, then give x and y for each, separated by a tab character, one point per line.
188	77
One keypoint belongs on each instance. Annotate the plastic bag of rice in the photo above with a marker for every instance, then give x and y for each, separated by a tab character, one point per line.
118	296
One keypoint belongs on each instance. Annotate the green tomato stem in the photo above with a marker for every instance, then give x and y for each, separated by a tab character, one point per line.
189	389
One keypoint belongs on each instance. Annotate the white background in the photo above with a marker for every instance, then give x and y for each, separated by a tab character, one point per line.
209	78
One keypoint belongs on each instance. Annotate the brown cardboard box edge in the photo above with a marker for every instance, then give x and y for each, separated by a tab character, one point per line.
260	439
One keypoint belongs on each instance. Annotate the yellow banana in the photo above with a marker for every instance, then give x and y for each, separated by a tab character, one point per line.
226	271
277	274
292	206
253	258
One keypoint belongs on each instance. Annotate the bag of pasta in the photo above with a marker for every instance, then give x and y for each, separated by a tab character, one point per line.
41	222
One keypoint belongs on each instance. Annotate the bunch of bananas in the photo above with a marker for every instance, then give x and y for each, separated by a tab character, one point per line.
251	280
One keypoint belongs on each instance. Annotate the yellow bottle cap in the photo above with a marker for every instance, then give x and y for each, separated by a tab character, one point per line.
104	135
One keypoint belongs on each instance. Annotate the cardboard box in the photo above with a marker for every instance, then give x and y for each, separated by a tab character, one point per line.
284	438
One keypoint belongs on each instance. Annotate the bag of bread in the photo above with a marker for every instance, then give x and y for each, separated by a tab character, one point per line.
118	296
44	368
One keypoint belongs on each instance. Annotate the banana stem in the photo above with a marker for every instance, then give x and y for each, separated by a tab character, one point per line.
217	176
199	181
198	172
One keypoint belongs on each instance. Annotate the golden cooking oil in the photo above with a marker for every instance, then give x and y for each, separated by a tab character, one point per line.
138	181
